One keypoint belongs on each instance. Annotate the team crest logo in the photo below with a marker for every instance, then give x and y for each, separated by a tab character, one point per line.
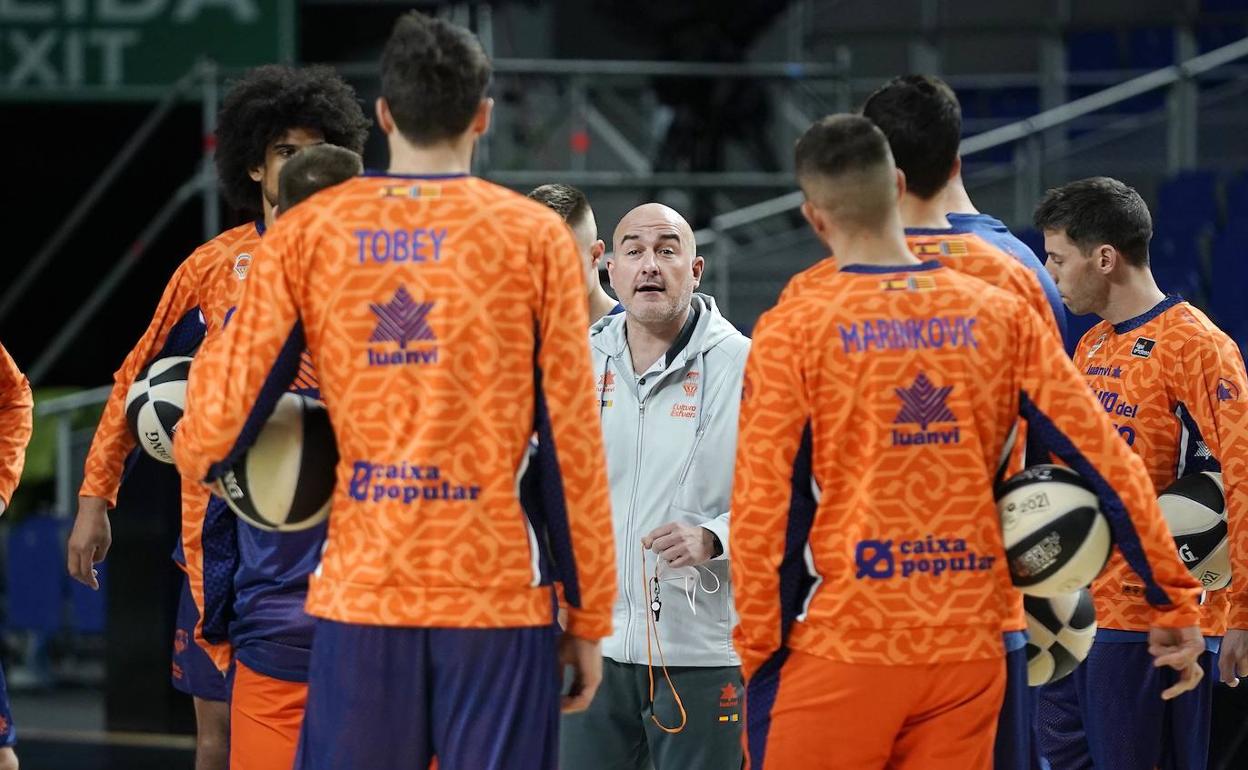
181	640
691	383
1227	391
404	321
241	263
1143	347
1097	345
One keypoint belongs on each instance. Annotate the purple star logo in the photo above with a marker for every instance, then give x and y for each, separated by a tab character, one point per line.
402	320
924	403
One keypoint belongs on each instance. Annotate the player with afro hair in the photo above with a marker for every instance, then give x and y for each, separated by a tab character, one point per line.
271	113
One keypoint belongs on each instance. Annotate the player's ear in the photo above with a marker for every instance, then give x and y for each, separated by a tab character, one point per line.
901	184
385	121
596	252
1107	258
611	273
957	167
481	121
813	216
699	264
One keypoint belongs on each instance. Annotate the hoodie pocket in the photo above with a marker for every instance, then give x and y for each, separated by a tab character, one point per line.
693	452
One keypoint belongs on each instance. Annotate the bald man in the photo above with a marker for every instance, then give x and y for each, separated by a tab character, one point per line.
669	372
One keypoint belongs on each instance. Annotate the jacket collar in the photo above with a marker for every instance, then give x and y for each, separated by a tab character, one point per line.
710	328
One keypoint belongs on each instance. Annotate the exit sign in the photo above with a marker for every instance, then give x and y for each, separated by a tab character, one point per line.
127	49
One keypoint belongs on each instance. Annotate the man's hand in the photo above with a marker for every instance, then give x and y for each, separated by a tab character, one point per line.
89	542
681	545
585	658
1233	657
1180	649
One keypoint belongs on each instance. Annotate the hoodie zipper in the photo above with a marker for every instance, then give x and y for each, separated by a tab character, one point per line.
632	508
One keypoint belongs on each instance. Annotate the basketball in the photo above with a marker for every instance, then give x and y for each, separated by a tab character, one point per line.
1061	630
286	479
1056	538
1195	509
154	405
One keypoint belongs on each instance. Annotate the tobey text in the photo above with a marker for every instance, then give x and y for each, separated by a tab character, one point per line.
420	244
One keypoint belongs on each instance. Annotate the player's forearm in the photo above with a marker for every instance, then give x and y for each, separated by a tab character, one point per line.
1235	485
16	423
109	447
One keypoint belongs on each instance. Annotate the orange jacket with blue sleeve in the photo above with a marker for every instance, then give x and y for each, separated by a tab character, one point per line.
446	326
1175	388
175	328
970	254
17	407
877	414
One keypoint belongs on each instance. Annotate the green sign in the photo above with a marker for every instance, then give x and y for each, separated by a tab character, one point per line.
125	49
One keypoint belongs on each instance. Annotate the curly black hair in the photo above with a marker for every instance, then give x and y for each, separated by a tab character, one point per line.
267	102
433	76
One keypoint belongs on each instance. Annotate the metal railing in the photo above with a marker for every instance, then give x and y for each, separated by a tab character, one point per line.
63	409
1026	135
203	76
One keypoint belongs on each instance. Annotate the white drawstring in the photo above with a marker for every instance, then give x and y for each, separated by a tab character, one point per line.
690	595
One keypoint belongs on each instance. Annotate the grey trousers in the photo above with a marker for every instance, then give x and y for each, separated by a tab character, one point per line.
617	732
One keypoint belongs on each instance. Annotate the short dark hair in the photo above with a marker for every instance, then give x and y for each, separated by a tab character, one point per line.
839	146
314	168
1099	210
563	199
267	102
921	117
433	77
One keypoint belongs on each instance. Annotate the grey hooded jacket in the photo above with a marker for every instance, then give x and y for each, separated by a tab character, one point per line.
671	438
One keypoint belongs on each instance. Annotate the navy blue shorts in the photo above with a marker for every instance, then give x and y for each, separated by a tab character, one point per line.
193	671
382	698
1109	714
1015	745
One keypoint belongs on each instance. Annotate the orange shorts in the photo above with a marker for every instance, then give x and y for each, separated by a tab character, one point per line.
265	717
817	713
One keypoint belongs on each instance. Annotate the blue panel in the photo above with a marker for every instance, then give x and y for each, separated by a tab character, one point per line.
89	606
1189	199
1094	49
37	574
1150	47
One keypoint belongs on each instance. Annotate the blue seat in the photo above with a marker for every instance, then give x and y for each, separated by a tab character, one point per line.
1150	47
36	578
1211	36
1174	254
1229	276
1237	200
1190	199
1093	49
1013	102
